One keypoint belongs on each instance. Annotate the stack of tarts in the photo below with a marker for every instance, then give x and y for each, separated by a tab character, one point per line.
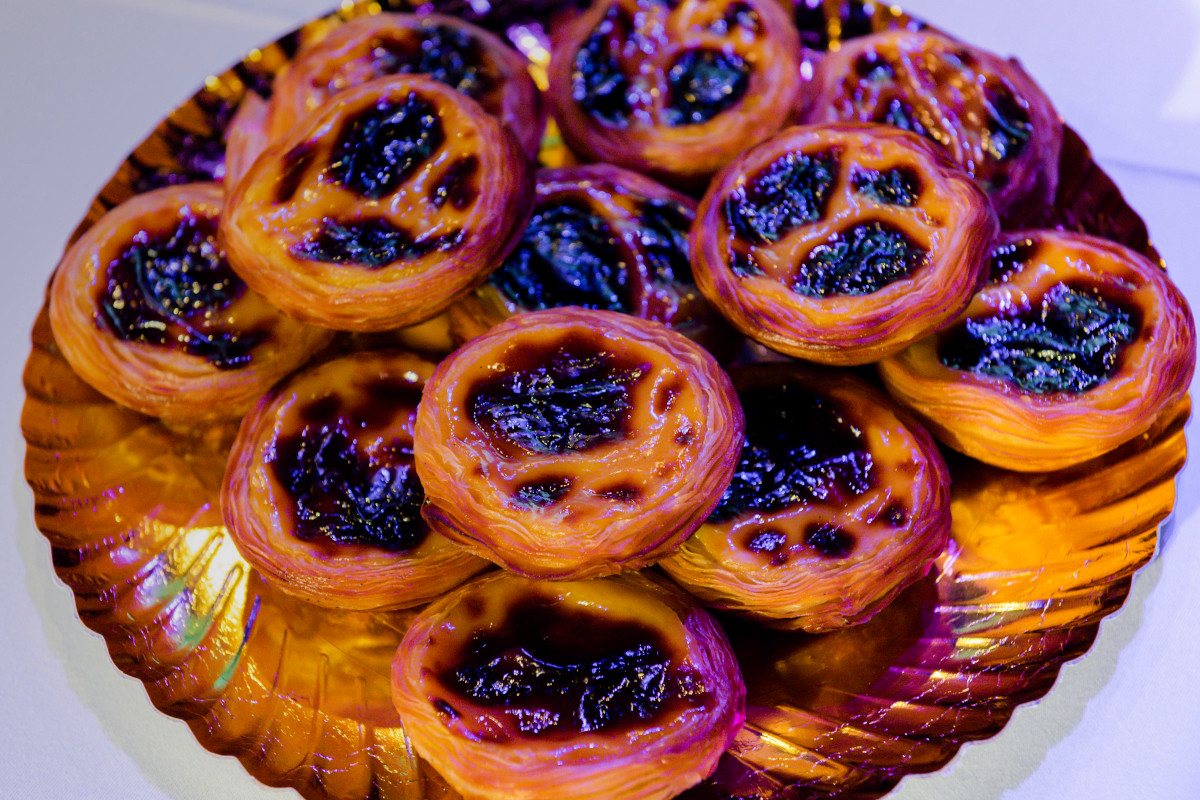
601	432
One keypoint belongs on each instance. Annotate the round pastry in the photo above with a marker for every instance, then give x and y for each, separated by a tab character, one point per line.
841	243
320	494
458	54
572	443
984	110
673	89
385	206
1075	346
838	503
600	237
516	689
146	309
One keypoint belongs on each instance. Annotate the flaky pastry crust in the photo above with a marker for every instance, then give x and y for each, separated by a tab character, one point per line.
483	753
992	419
569	499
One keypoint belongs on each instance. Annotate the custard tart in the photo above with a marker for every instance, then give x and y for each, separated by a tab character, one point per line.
841	243
988	114
320	494
451	51
1075	346
516	689
573	443
395	198
146	308
838	503
673	89
600	237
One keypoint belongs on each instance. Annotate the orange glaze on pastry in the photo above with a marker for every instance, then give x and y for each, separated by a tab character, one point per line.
517	689
984	110
673	89
1074	347
838	503
841	243
463	56
146	309
600	237
397	197
572	443
320	493
246	138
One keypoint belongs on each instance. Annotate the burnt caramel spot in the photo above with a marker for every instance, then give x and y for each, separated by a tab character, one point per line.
1009	258
446	54
809	16
769	542
703	83
445	709
853	19
662	237
567	256
542	493
864	260
567	396
737	15
1009	127
901	115
893	187
344	491
799	449
555	670
169	290
458	186
381	147
1070	342
295	163
373	243
666	395
789	193
895	515
829	541
621	492
598	84
871	66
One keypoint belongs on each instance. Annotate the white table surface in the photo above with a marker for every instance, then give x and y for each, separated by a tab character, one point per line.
84	80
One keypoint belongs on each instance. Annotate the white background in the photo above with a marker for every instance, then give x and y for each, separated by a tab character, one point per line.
82	81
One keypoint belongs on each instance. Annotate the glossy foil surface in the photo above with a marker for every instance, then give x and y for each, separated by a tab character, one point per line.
301	696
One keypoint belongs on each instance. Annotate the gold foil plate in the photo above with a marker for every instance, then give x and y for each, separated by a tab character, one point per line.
300	694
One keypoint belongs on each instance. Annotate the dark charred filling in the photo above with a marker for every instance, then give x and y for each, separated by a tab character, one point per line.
169	290
1009	258
458	186
567	396
854	20
1070	342
769	542
543	493
344	491
598	84
829	541
799	449
373	243
703	83
893	187
381	147
737	15
1009	126
873	67
296	162
567	256
900	114
551	670
447	55
789	193
662	236
864	260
